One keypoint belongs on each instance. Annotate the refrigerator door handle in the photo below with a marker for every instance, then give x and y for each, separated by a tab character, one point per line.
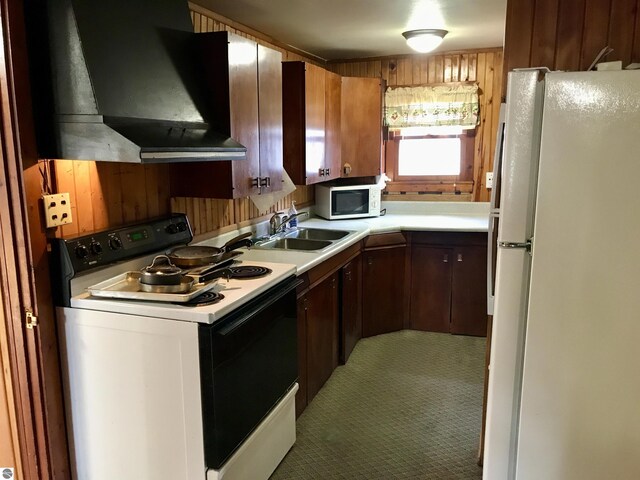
491	252
528	245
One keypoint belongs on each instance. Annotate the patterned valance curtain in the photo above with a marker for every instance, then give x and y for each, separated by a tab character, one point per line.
426	106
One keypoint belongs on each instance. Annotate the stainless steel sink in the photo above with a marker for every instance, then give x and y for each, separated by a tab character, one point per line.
317	234
289	243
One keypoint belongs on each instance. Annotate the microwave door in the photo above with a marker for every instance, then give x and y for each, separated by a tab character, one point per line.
350	202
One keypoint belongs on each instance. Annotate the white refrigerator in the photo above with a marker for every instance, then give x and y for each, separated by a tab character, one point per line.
564	381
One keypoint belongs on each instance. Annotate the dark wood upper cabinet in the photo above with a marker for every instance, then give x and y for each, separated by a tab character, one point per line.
270	118
361	126
311	122
332	152
244	83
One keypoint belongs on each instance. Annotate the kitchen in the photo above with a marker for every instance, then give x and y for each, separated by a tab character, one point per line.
555	41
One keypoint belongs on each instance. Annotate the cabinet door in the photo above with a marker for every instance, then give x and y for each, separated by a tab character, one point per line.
301	395
243	94
332	126
351	324
270	117
383	290
322	334
469	295
430	306
361	126
314	123
232	85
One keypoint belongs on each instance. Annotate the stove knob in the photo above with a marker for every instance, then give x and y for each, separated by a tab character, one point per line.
171	228
182	226
96	248
82	251
115	243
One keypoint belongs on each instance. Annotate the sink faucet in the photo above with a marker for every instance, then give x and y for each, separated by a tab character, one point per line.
278	222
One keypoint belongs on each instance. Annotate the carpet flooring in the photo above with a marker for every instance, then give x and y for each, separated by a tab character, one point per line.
407	405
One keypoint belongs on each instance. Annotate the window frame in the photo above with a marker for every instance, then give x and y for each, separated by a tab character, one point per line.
431	183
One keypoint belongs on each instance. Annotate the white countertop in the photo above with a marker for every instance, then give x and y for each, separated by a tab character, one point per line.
415	216
426	216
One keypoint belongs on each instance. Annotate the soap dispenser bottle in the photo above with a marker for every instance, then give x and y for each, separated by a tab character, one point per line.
292	211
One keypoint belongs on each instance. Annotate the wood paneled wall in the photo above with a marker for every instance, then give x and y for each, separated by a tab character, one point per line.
568	34
481	66
105	194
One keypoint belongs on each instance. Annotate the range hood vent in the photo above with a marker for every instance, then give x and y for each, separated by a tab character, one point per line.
122	81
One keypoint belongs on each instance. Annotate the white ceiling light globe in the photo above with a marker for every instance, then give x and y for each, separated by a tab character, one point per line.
425	40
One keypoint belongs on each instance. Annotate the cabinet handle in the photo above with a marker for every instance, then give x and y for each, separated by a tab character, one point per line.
255	182
265	182
348	275
445	258
369	261
327	172
321	172
459	257
333	283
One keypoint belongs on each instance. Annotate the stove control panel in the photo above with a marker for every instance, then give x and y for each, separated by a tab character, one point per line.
75	255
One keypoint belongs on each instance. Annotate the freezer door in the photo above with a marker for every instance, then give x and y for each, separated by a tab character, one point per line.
580	411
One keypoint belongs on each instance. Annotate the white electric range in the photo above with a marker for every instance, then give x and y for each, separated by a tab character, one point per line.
166	390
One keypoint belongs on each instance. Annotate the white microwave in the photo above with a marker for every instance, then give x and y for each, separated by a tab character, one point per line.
343	202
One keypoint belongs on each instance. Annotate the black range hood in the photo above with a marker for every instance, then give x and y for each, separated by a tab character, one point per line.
121	80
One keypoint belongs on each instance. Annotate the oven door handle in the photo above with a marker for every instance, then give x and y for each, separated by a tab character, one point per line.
229	328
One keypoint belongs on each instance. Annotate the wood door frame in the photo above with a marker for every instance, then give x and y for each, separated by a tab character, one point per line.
31	353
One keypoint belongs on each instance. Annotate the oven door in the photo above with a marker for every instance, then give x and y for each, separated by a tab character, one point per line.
248	361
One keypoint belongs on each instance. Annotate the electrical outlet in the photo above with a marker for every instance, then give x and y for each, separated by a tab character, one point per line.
489	180
57	209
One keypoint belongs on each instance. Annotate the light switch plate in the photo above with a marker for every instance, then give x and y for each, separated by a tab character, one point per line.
489	180
57	209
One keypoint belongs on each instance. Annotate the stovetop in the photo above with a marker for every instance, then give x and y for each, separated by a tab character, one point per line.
236	292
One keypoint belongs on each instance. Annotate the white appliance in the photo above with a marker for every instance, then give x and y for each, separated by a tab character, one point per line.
156	389
341	202
564	389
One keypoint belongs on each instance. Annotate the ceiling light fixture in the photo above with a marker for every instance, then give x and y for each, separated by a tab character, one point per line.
424	40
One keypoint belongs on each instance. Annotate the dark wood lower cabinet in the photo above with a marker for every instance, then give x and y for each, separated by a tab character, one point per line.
436	282
430	288
301	396
322	334
351	307
383	290
448	282
469	305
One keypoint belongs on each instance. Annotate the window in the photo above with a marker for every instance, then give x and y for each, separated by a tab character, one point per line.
431	163
429	156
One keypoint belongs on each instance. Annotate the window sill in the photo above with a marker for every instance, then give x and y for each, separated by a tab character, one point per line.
429	186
